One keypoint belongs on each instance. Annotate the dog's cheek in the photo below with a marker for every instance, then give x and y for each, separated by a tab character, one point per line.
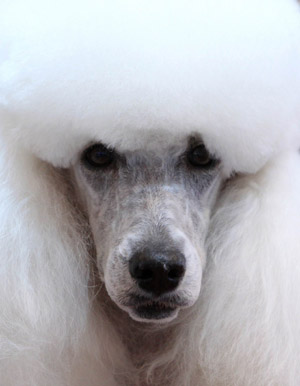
116	278
191	284
195	263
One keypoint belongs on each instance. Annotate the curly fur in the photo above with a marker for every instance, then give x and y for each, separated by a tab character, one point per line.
227	70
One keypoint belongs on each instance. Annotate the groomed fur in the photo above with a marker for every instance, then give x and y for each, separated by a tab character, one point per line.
225	70
94	70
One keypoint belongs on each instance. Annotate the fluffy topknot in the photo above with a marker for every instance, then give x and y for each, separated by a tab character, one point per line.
75	72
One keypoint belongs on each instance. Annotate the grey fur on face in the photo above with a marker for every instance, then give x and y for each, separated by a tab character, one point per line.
149	203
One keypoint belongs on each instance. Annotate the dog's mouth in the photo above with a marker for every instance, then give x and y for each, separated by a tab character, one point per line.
153	310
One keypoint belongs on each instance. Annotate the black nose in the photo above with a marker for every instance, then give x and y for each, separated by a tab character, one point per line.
157	272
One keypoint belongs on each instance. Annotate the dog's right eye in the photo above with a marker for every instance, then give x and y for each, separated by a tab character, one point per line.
98	156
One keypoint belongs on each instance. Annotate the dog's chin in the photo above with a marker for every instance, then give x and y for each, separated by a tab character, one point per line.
153	313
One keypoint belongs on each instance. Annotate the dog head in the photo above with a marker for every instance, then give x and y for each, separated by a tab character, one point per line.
149	212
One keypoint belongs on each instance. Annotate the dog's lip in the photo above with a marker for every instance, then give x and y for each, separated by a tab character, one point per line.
153	309
170	302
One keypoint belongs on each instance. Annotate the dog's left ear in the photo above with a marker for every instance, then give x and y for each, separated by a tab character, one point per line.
44	279
252	284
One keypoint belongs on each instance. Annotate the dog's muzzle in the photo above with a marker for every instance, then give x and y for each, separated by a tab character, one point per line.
157	274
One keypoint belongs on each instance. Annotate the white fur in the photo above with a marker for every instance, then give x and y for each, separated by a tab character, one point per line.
131	73
229	69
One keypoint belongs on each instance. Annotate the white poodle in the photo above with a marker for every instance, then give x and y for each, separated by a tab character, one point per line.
150	193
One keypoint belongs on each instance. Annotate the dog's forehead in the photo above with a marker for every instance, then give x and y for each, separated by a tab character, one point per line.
159	142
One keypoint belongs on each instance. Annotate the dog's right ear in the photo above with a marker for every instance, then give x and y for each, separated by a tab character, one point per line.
43	255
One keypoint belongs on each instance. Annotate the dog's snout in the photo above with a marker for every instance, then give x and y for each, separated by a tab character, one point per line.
157	272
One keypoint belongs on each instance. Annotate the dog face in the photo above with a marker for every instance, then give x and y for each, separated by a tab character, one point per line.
149	213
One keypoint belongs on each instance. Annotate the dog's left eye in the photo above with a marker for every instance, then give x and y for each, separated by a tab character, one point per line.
98	156
199	156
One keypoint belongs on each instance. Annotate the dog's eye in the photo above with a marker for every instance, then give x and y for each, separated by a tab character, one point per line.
98	156
199	156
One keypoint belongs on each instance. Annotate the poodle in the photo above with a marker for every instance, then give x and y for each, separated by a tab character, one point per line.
149	193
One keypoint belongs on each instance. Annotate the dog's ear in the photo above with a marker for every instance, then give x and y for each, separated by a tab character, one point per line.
47	330
250	298
43	274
